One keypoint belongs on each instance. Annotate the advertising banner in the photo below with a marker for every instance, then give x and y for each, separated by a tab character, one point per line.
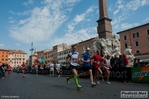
120	74
140	74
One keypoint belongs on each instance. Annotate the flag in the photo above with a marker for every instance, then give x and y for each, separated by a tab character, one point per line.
42	60
39	59
26	65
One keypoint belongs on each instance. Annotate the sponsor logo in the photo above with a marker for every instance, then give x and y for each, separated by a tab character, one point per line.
119	74
134	94
139	74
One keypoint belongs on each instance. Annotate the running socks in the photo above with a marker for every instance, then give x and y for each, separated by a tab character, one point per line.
68	78
76	80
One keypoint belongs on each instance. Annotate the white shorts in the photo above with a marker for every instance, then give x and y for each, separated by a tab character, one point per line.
106	68
51	69
57	68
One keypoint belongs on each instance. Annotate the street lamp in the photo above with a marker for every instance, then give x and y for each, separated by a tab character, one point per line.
32	49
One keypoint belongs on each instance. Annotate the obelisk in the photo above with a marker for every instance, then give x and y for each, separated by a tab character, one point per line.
104	28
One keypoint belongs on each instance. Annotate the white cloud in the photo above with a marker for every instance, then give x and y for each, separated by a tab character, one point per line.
17	44
28	3
79	18
43	21
72	35
72	38
20	13
123	10
2	46
124	26
146	20
127	25
116	11
88	20
132	5
135	4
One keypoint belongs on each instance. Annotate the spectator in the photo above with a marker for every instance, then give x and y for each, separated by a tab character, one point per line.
112	61
1	72
121	61
125	60
116	61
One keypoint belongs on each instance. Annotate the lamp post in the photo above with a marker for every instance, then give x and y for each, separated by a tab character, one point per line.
30	58
15	59
32	49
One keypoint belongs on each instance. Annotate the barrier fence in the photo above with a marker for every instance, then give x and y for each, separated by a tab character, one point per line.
134	74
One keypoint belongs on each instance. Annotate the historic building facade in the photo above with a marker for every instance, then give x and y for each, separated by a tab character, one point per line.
138	39
3	56
16	57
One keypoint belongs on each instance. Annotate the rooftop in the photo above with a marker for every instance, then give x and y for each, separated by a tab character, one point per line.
132	28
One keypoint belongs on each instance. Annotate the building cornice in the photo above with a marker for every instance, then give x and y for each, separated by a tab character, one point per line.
132	28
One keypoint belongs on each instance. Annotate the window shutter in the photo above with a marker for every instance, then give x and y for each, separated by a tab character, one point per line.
133	35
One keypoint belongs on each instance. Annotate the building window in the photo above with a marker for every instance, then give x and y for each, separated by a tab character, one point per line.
136	43
137	51
126	45
135	35
147	32
125	37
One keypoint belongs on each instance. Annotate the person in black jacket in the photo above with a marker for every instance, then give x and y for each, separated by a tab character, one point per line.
121	61
112	61
2	71
116	61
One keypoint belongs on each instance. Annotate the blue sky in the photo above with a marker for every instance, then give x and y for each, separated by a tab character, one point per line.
50	22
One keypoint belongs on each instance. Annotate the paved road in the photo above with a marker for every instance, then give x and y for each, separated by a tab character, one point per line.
46	87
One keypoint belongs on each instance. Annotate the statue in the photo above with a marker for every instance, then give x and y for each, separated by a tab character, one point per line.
128	53
110	46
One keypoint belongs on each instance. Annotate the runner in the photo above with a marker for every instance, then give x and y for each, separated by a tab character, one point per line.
107	68
97	59
52	69
58	69
18	69
36	69
86	59
9	69
73	59
23	69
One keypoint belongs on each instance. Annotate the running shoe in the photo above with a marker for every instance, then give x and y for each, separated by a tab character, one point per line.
93	84
2	77
67	80
79	87
59	76
108	83
102	78
97	82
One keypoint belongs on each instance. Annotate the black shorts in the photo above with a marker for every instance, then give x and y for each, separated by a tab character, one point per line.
86	68
74	67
